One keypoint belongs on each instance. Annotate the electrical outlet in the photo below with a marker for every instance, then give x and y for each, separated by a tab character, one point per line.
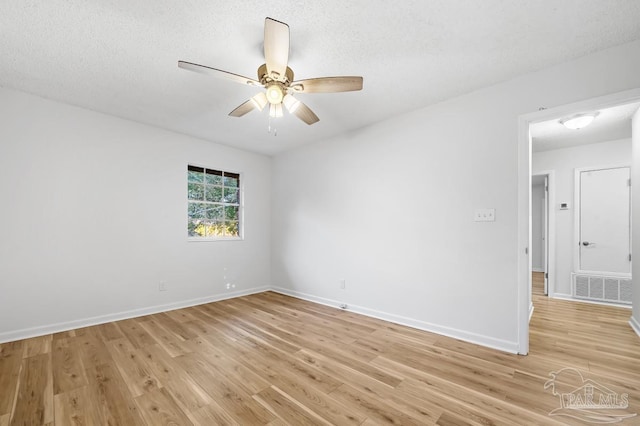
162	286
343	284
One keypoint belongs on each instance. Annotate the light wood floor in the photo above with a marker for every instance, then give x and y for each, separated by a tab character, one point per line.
271	359
537	283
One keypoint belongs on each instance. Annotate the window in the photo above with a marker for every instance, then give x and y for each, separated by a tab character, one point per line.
213	204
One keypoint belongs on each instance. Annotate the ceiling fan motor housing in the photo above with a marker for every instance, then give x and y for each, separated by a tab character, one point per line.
265	78
276	85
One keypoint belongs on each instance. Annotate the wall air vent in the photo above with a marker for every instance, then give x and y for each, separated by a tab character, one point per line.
602	288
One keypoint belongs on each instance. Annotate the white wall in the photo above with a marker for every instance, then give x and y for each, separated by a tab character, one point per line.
564	162
537	228
94	215
390	207
635	227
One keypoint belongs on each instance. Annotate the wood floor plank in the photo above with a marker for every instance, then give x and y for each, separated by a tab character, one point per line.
108	331
479	375
67	334
419	409
13	347
170	342
76	407
450	419
137	335
213	414
372	407
133	369
173	325
34	401
199	327
68	370
111	396
277	422
159	408
37	346
221	364
283	406
471	404
229	395
91	348
270	359
322	405
288	363
187	393
10	369
181	315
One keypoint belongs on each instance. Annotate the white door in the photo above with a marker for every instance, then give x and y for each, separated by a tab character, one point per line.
604	239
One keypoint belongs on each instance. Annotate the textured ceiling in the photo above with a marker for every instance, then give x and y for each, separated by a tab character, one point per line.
611	124
120	56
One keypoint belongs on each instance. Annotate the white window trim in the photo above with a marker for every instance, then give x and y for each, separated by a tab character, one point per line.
240	237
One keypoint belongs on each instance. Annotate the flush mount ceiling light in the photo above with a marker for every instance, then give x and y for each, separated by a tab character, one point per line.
579	121
277	78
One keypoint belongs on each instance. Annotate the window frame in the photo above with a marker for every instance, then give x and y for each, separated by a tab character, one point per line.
240	205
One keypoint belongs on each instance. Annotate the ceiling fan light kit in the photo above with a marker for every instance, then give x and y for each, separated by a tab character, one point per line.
275	93
275	110
291	103
277	78
260	101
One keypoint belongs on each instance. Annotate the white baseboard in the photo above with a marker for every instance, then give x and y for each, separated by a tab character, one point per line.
491	342
570	298
488	341
537	269
635	325
563	296
26	333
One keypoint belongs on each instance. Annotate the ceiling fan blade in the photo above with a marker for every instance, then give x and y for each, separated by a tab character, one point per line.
276	48
243	109
258	102
218	73
328	85
300	110
305	114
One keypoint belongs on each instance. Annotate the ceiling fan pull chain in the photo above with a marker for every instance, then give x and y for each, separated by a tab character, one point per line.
275	130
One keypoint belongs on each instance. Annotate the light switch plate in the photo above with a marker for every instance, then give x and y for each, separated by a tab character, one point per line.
485	215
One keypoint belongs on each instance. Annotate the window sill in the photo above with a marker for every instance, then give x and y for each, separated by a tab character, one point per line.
216	239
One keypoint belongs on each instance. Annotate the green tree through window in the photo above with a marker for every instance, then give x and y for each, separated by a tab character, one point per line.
213	203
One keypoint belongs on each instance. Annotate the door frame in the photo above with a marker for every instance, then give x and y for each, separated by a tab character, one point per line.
524	194
576	217
550	242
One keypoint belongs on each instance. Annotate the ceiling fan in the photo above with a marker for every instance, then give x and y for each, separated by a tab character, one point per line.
277	78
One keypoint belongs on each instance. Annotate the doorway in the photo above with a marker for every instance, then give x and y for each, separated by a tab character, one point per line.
524	196
542	238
